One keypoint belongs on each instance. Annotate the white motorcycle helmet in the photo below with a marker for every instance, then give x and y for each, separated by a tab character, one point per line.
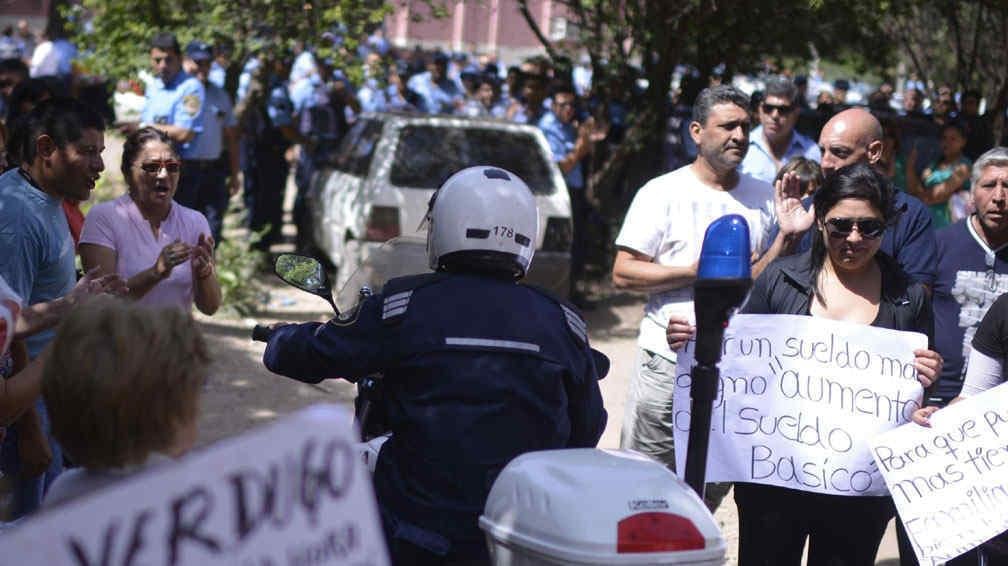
482	218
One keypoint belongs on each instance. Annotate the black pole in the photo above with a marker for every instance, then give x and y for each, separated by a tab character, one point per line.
723	279
703	390
714	301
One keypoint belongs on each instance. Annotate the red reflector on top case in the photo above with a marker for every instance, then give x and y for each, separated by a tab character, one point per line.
657	532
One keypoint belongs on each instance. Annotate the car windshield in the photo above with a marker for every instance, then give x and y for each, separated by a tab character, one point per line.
426	155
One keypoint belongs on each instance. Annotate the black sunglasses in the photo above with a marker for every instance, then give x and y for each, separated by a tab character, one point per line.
780	108
154	167
869	228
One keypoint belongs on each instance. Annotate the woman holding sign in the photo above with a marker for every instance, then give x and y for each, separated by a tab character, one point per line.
843	277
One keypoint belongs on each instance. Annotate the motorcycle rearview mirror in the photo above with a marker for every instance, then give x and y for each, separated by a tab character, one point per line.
305	273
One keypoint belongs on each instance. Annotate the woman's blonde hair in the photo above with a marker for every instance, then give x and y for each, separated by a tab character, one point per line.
122	379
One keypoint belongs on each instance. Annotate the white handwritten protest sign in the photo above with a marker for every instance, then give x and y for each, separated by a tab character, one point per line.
293	493
798	399
949	481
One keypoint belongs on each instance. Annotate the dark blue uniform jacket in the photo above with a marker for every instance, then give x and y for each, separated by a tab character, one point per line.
477	371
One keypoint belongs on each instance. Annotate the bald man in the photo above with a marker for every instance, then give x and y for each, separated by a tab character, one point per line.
853	136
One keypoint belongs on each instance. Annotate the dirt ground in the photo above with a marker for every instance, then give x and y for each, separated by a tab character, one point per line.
240	392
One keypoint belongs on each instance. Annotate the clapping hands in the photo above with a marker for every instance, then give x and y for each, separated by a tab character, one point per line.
92	284
203	257
171	255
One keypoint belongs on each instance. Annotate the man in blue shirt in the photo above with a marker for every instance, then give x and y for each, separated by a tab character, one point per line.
204	185
853	136
60	159
569	145
384	91
174	100
440	94
775	142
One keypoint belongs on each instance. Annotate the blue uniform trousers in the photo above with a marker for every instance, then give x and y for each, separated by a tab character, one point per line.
268	185
203	187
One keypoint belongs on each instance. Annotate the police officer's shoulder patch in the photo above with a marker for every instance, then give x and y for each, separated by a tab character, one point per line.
397	293
191	103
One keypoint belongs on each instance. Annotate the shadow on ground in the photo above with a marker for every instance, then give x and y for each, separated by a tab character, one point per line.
240	392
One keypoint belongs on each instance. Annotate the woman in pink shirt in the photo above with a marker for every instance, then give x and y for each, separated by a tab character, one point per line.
162	249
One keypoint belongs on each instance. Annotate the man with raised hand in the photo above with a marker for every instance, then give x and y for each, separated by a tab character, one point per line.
658	249
854	136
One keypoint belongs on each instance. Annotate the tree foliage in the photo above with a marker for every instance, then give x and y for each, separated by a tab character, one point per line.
740	35
963	43
113	34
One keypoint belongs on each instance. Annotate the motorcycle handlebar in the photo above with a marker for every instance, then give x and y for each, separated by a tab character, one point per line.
261	333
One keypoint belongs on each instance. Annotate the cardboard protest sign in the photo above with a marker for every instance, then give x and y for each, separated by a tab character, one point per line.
949	481
798	398
293	493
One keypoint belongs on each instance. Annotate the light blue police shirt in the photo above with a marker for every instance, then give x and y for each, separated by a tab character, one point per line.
302	93
217	114
439	98
279	107
178	103
561	139
217	75
245	78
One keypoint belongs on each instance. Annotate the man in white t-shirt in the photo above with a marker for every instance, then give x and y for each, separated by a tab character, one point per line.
659	246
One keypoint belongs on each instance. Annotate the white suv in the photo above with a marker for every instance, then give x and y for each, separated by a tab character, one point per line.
377	184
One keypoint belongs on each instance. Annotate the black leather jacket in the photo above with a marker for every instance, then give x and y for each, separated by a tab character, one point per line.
785	287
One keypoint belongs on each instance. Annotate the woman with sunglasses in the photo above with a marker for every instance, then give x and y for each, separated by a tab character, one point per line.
162	249
843	277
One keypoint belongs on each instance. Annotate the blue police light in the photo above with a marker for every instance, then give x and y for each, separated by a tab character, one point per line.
725	252
723	279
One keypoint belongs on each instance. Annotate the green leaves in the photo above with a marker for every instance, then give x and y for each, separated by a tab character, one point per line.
115	42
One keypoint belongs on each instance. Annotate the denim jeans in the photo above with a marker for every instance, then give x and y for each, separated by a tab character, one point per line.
24	494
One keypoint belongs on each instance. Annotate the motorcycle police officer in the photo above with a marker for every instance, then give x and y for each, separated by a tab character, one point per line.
477	368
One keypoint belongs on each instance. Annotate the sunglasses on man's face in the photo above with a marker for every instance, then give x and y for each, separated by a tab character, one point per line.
154	167
869	228
781	109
